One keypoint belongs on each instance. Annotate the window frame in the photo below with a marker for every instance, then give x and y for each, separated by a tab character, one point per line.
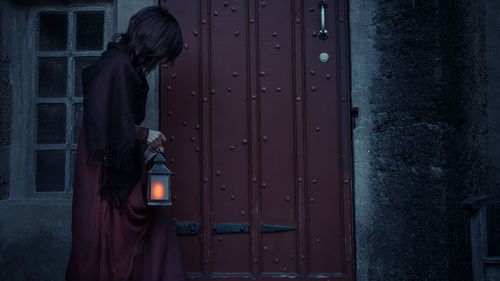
32	99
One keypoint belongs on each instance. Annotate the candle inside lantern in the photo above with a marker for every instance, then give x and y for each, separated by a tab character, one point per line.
158	190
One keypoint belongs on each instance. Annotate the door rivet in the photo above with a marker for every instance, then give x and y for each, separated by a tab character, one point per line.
197	148
276	260
233	9
328	76
186	45
223	187
277	46
278	89
299	179
263	89
172	138
193	93
313	88
173	75
229	90
231	147
205	179
236	32
235	74
274	34
317	128
193	138
314	181
264	184
218	172
216	13
244	141
242	213
233	197
287	199
312	71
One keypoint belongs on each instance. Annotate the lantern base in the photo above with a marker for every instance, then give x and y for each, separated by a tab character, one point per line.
160	203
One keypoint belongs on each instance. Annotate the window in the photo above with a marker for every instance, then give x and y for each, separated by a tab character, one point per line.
68	40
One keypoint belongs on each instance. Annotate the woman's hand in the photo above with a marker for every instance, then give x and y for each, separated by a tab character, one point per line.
156	139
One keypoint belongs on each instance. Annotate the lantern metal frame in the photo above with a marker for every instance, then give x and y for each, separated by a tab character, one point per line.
160	169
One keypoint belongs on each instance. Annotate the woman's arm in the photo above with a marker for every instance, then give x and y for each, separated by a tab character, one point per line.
152	138
142	133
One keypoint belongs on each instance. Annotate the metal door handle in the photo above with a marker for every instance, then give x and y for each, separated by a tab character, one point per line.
323	33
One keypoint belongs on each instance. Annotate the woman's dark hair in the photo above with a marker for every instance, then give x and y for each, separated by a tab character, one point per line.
153	34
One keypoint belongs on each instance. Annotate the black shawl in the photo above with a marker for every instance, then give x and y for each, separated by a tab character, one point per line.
114	99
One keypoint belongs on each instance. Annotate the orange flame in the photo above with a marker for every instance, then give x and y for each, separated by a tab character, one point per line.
157	190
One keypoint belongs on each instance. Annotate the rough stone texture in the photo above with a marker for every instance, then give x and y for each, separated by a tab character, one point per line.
420	144
465	111
34	241
493	69
5	118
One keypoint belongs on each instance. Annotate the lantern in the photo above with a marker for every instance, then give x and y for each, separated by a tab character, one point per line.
159	189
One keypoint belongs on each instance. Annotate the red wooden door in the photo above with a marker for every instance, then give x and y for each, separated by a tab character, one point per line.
259	138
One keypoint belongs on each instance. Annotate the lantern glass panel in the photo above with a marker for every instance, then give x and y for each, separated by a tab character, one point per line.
159	187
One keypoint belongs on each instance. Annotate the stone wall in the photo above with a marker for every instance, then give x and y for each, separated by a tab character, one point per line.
5	116
420	145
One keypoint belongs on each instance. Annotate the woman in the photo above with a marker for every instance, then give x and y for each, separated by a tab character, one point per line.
116	236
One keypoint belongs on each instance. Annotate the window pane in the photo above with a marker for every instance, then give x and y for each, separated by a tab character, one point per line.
51	121
52	73
50	170
89	31
72	169
53	32
77	119
80	64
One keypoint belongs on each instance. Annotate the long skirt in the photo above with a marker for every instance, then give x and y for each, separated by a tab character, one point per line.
140	245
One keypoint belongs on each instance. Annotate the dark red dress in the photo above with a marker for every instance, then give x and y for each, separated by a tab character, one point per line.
141	244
